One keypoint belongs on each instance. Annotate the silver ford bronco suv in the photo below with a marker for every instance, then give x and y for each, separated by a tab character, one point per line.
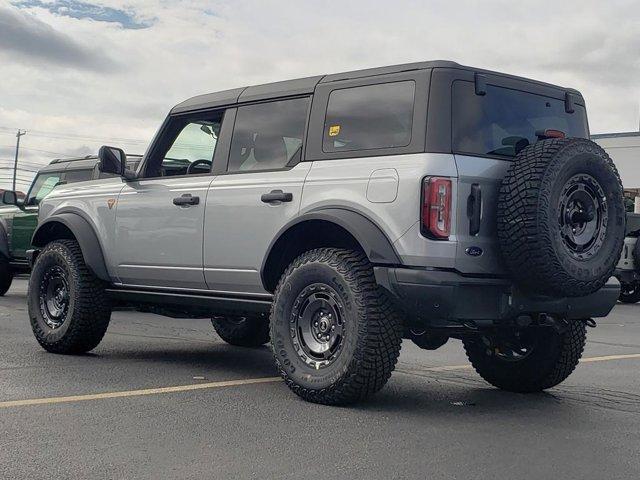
334	216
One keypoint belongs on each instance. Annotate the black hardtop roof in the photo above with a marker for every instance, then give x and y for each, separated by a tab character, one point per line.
302	86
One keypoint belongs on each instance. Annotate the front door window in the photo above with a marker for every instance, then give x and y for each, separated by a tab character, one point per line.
190	150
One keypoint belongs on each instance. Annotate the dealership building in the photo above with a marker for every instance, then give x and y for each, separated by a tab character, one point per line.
624	149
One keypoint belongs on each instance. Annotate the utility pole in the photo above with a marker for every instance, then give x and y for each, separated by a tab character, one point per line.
15	164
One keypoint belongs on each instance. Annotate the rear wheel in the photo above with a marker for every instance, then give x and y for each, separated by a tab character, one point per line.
334	333
248	331
629	292
530	360
68	307
6	275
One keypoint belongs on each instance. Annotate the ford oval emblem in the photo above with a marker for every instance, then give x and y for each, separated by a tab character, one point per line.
474	251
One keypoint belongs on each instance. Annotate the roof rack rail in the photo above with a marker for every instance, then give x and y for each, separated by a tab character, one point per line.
77	159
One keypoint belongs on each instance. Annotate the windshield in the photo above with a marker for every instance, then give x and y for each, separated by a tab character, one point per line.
42	186
504	121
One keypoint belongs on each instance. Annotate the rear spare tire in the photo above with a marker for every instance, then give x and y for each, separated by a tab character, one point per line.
561	217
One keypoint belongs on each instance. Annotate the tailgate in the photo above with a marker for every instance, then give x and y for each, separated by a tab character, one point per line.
479	181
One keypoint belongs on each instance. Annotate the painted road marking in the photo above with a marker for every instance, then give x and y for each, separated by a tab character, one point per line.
137	393
234	383
448	368
610	357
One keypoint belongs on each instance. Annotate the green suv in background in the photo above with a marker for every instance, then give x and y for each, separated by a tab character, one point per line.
18	219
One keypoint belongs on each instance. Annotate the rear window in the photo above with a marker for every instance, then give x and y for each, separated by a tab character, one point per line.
369	117
504	121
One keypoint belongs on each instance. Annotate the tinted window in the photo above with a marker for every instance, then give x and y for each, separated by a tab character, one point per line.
369	117
268	136
72	176
504	121
42	185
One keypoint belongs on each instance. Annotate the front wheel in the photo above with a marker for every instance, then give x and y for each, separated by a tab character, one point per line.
530	360
334	333
68	307
6	275
629	292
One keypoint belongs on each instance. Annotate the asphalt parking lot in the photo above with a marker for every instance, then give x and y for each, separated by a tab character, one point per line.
110	414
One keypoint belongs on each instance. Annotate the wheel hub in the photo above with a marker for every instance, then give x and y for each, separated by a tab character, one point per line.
583	216
54	297
317	325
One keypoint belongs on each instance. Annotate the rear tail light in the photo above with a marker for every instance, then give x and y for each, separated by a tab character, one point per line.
436	207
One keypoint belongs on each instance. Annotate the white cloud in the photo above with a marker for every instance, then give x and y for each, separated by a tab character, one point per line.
194	47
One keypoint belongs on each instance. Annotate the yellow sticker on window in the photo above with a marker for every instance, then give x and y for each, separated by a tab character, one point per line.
334	130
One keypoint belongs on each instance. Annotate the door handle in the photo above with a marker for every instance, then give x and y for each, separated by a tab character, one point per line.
186	200
474	209
276	196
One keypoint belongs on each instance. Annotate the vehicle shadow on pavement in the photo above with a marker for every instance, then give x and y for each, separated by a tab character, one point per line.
213	357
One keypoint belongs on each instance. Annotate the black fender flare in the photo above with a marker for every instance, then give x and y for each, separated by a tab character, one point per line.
372	239
84	233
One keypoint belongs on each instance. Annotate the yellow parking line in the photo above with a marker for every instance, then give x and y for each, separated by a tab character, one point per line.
234	383
450	368
136	393
610	357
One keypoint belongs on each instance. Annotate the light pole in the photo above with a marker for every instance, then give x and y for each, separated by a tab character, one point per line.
15	164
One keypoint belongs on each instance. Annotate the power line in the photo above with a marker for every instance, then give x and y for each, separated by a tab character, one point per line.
41	151
46	134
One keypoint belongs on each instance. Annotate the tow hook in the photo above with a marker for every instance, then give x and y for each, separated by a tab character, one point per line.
590	322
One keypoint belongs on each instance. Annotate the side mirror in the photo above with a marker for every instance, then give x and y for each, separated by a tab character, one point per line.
112	160
9	197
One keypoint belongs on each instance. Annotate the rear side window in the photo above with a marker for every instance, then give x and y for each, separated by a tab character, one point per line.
369	117
504	121
72	176
268	136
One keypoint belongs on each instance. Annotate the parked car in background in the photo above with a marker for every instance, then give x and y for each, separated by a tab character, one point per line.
19	216
628	268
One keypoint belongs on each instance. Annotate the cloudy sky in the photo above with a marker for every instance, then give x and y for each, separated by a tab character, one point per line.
78	74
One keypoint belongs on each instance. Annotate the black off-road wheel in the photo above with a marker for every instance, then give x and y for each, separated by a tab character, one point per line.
629	292
334	333
561	217
247	331
6	275
529	361
68	307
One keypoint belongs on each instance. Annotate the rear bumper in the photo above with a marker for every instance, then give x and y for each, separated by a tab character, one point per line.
437	298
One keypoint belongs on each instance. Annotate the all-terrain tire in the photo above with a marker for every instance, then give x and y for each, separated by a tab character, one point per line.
248	331
88	309
6	275
553	359
629	293
371	326
534	244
